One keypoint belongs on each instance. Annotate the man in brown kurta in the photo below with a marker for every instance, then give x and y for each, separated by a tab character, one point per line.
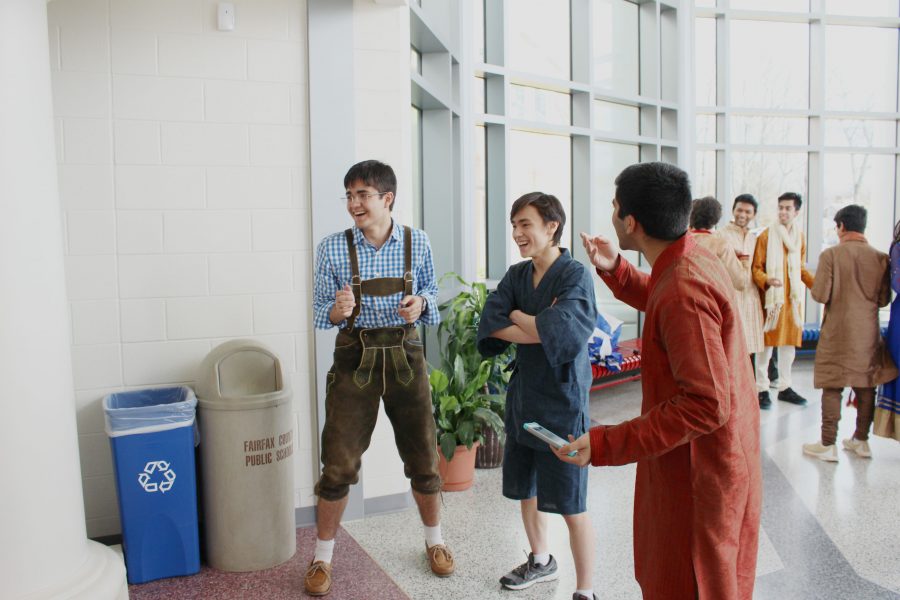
779	283
852	282
698	487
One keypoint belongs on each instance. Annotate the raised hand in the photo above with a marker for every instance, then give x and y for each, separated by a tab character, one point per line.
601	251
343	304
411	307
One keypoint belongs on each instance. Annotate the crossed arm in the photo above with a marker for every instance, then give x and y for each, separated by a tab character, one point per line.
522	331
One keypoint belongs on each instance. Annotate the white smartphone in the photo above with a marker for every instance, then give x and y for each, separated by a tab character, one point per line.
546	435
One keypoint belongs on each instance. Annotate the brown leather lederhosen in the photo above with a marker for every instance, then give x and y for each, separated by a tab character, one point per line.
360	379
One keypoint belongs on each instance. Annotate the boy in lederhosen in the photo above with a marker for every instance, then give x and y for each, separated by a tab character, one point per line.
376	282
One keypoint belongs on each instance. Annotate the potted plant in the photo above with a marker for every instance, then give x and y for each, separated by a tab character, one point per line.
467	391
459	409
490	451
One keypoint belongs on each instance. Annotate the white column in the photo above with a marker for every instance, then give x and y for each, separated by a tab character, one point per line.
45	552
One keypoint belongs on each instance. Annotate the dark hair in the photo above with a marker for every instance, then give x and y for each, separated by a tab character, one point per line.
374	173
548	206
658	196
746	199
705	213
853	217
798	201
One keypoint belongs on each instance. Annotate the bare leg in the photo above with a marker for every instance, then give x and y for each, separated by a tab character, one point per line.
328	517
581	540
535	526
429	508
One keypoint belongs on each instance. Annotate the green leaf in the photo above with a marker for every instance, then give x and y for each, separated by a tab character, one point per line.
459	372
467	434
489	418
448	445
497	403
438	380
443	424
452	275
449	404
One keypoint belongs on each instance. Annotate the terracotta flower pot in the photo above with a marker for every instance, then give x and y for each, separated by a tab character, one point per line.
490	454
458	474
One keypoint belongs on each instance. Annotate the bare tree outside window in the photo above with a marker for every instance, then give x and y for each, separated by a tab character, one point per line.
860	76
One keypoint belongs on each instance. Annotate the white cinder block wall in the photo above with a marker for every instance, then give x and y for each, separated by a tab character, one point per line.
184	182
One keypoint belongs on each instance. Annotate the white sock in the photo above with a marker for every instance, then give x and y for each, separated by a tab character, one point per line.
433	535
542	558
589	594
324	550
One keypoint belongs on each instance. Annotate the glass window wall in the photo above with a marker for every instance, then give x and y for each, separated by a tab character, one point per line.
773	131
706	129
860	69
704	182
769	64
705	62
616	45
534	104
860	133
868	8
774	5
620	118
539	37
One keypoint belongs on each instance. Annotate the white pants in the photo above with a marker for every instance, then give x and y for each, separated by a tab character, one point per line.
784	362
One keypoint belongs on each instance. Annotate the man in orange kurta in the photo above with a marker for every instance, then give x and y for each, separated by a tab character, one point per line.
698	488
778	270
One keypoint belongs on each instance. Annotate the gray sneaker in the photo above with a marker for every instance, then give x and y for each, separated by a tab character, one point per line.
528	573
582	597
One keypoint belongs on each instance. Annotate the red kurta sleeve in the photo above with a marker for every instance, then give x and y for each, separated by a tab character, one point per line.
690	334
627	283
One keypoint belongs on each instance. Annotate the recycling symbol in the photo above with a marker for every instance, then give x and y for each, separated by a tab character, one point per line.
157	477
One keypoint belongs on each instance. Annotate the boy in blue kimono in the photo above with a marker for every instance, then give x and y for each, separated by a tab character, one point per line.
545	305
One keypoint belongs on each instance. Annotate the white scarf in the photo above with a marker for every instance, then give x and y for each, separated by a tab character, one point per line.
779	239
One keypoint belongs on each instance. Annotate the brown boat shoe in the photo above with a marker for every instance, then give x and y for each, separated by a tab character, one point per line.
318	578
441	560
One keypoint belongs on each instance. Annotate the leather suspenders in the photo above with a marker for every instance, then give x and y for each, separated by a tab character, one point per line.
380	286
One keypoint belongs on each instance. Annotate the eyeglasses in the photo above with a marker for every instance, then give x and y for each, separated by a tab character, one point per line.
364	197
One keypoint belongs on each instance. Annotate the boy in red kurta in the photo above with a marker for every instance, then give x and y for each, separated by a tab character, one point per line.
698	488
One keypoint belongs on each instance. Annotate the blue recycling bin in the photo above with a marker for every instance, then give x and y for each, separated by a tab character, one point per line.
152	435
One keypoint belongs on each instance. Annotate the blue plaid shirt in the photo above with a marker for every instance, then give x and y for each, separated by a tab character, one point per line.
333	271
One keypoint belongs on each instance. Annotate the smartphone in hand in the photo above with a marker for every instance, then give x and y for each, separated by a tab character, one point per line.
546	435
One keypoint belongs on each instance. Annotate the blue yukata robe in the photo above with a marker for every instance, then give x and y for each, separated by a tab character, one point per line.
551	381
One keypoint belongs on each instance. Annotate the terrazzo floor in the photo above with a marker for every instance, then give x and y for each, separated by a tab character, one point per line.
829	531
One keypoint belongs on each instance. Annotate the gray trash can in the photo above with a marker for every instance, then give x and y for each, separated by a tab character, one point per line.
246	458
